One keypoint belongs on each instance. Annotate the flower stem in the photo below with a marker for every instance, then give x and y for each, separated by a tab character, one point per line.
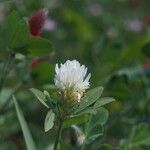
58	136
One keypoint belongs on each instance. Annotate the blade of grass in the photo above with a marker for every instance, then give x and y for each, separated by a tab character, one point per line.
26	133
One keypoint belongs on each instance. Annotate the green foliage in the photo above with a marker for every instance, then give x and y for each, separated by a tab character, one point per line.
39	46
90	97
76	119
26	133
40	96
103	101
146	48
105	147
139	137
95	127
17	34
110	39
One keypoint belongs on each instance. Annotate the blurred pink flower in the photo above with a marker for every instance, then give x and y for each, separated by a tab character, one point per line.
49	25
134	25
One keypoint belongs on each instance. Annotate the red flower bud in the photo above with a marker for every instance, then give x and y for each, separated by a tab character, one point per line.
146	65
36	22
34	63
147	19
135	2
37	61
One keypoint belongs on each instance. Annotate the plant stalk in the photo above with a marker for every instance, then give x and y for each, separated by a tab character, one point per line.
58	136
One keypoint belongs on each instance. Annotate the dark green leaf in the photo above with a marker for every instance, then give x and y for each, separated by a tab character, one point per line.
39	46
146	49
17	32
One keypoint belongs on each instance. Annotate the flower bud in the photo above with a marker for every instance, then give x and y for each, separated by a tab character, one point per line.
36	22
77	137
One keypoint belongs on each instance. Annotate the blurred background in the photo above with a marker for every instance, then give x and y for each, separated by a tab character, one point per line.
112	38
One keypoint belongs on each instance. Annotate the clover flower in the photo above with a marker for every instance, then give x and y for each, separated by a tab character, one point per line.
72	79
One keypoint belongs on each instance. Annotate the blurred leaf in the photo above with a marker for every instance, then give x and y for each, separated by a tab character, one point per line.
106	147
146	49
90	97
76	119
140	135
4	95
80	26
39	46
43	73
103	101
93	138
17	32
40	96
49	120
26	133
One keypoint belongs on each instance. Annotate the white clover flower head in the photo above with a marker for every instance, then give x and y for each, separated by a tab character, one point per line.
72	79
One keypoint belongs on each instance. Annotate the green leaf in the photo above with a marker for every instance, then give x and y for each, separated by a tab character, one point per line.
90	97
17	32
89	110
95	127
146	49
103	101
39	46
43	73
49	120
140	135
100	117
76	119
93	138
106	147
40	95
26	133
